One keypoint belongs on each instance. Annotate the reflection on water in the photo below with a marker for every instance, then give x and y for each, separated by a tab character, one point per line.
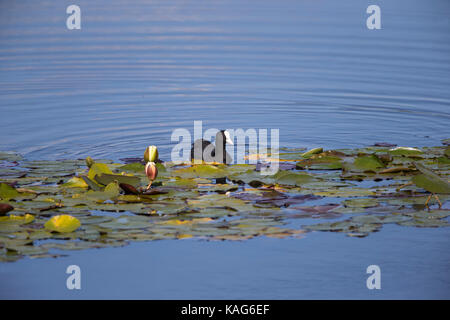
138	69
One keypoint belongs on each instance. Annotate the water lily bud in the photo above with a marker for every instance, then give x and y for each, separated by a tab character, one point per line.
151	154
151	171
89	162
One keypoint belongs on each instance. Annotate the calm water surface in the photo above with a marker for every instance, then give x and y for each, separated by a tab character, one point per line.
139	69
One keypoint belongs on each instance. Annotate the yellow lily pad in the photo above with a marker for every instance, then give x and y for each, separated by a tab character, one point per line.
17	219
75	182
62	223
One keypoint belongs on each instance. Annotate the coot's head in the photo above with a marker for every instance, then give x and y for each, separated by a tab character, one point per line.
225	136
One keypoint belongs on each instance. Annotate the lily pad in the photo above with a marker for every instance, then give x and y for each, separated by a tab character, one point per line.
406	151
200	171
75	182
98	169
311	152
62	224
132	167
105	178
7	192
368	163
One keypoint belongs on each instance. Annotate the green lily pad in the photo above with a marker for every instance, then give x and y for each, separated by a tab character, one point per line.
368	163
311	152
132	167
361	203
105	178
10	156
321	163
292	178
194	203
182	183
424	223
92	184
201	171
97	169
405	151
7	192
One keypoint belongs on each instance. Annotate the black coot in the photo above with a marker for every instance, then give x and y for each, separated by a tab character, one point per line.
206	151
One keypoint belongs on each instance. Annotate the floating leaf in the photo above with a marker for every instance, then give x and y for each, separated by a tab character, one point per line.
39	235
27	218
133	167
293	178
405	151
361	203
201	202
7	192
321	163
62	224
10	156
201	171
424	223
111	191
75	182
396	170
98	169
92	184
368	163
105	178
312	152
431	184
430	181
447	152
182	183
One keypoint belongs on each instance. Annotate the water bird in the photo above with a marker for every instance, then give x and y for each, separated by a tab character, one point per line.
204	150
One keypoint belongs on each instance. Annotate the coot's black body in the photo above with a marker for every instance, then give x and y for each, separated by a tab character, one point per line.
206	151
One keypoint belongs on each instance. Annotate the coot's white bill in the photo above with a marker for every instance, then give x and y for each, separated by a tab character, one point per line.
228	138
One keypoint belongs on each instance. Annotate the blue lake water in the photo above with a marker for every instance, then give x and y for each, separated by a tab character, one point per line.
139	69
